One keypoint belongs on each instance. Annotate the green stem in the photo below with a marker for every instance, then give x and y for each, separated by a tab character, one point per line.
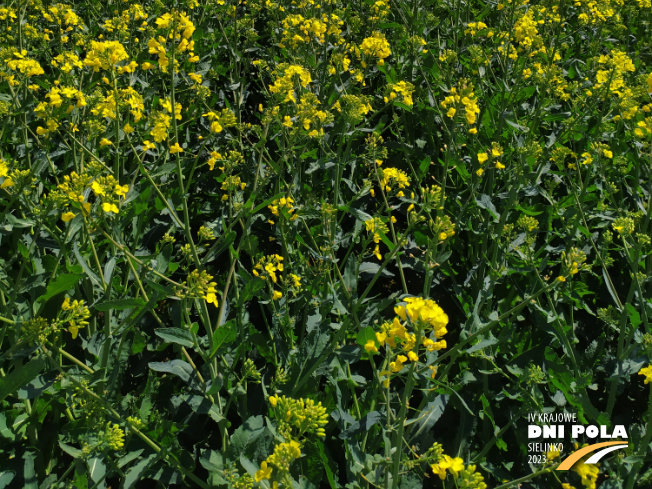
527	477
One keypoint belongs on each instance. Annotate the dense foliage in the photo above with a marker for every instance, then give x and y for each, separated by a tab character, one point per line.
279	243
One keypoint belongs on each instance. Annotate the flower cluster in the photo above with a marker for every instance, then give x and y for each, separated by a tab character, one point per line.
109	191
376	225
199	285
391	178
283	207
311	117
286	78
574	261
442	227
7	181
400	92
21	63
493	154
624	226
267	266
526	32
527	223
75	315
465	476
299	417
588	473
462	98
298	30
71	194
226	118
473	28
417	320
376	46
296	418
354	108
613	68
232	184
109	55
425	311
114	437
284	454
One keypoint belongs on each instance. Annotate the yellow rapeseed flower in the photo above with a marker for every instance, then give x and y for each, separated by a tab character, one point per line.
647	372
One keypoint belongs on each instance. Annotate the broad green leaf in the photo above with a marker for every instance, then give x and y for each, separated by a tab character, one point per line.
175	335
137	471
224	335
202	405
6	477
63	283
20	377
37	386
179	368
362	426
429	415
484	202
31	481
247	434
96	469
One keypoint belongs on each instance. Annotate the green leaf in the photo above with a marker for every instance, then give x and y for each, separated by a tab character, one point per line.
327	461
5	478
247	434
371	267
31	481
133	455
359	215
17	222
176	367
634	316
518	126
166	291
528	212
34	388
484	202
201	405
429	415
482	344
70	450
175	335
350	276
362	426
266	202
366	334
63	283
248	465
222	244
5	431
211	460
20	377
90	273
224	335
96	469
137	471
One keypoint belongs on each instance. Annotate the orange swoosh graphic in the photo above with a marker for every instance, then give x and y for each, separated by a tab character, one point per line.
571	459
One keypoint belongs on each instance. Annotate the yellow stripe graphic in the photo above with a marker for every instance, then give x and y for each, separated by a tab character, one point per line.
571	459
